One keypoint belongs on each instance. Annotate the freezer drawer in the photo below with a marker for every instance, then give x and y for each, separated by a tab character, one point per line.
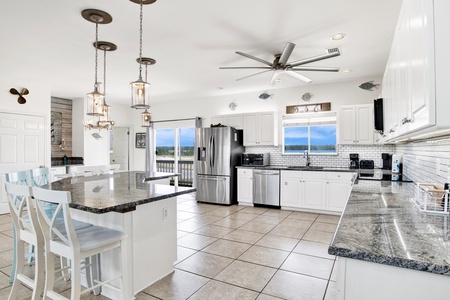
266	187
213	189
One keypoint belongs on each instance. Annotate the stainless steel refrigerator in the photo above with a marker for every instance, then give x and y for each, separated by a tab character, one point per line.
217	153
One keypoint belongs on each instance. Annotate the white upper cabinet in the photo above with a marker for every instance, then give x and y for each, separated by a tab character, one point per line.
415	88
260	129
355	124
235	120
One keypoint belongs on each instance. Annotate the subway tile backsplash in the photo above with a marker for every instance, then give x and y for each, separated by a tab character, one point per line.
426	161
372	152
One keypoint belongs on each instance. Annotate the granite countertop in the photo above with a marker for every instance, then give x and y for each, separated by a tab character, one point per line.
119	192
301	168
382	224
149	176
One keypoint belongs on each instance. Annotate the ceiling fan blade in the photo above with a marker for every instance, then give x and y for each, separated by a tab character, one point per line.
21	100
275	76
314	59
298	76
14	91
239	79
286	53
236	68
320	69
25	91
254	58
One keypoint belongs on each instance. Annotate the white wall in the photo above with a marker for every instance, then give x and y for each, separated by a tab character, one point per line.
340	93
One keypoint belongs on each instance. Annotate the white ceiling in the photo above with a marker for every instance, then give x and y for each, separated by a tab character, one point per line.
48	42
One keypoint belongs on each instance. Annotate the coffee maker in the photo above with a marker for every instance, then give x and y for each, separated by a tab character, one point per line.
354	161
387	161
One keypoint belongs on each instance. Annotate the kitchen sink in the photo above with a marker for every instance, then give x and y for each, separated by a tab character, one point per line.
304	168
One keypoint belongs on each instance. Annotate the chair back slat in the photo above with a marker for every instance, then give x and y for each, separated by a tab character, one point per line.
59	228
21	207
39	176
21	177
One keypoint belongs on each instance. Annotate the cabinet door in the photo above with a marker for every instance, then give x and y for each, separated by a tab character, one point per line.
337	195
245	186
251	130
235	121
291	189
266	127
315	194
347	125
364	125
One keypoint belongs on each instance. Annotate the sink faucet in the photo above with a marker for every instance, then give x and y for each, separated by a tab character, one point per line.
308	160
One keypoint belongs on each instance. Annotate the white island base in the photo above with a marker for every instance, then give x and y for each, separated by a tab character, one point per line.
357	279
151	243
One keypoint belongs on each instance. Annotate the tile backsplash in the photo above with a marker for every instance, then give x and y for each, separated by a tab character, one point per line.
426	161
372	152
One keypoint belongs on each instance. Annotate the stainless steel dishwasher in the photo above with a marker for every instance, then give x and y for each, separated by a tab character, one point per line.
266	187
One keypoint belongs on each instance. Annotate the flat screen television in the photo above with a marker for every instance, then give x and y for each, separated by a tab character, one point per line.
378	114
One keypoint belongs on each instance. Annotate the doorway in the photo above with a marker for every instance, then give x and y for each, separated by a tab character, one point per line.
119	147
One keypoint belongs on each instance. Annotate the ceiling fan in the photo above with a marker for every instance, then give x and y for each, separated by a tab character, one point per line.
280	64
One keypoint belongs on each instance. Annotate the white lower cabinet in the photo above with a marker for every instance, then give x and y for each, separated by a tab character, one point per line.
55	171
245	186
320	191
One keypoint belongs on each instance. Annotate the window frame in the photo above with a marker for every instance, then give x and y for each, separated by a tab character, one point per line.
309	120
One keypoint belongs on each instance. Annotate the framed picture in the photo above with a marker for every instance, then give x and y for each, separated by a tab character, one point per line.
140	140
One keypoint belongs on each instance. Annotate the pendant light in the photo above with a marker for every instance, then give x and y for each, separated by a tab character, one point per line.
140	88
105	120
146	116
95	99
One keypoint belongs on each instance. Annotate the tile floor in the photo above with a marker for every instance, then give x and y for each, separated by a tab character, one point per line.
232	252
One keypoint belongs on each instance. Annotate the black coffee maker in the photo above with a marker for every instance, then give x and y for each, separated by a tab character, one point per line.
354	161
387	161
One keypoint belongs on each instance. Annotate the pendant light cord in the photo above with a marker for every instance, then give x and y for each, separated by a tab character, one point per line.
96	54
140	43
104	75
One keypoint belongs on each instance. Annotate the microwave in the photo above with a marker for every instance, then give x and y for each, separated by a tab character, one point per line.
253	159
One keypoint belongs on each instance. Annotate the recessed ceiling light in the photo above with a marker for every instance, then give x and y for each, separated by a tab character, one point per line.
278	80
337	36
220	87
346	71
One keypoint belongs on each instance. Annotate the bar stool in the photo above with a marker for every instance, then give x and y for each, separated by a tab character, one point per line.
27	230
22	178
74	245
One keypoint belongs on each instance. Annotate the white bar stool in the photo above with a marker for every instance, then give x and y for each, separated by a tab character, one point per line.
77	246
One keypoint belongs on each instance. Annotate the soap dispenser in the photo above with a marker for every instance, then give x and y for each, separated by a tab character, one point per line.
65	159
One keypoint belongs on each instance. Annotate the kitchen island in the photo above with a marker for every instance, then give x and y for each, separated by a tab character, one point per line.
387	248
146	212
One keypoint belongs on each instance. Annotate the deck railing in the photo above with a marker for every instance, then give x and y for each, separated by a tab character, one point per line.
185	168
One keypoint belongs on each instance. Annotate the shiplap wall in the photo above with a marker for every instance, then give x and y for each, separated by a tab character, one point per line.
64	106
426	161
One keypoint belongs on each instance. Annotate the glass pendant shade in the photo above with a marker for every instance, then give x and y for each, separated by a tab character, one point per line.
146	119
105	120
140	94
95	102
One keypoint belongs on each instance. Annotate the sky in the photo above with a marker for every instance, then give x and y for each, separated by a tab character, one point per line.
320	135
165	137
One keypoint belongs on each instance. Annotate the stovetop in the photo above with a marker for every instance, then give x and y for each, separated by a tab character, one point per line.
378	174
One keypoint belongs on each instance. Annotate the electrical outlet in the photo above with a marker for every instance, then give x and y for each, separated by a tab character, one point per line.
165	213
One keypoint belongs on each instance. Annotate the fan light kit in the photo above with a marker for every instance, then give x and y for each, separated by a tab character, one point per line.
280	64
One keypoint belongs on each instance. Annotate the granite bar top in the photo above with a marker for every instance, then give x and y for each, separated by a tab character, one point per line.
150	176
382	224
300	168
119	192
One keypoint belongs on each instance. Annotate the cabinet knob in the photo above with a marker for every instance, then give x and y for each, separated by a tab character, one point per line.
406	120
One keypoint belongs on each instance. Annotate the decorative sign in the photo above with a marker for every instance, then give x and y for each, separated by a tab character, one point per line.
56	128
140	139
308	108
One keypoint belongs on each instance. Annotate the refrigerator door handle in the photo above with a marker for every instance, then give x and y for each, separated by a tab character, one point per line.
209	149
213	151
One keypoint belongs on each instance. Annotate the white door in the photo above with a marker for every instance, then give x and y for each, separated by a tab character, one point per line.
347	125
119	154
22	139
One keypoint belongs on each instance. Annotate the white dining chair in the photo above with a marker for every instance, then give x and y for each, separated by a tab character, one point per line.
26	230
77	246
21	178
